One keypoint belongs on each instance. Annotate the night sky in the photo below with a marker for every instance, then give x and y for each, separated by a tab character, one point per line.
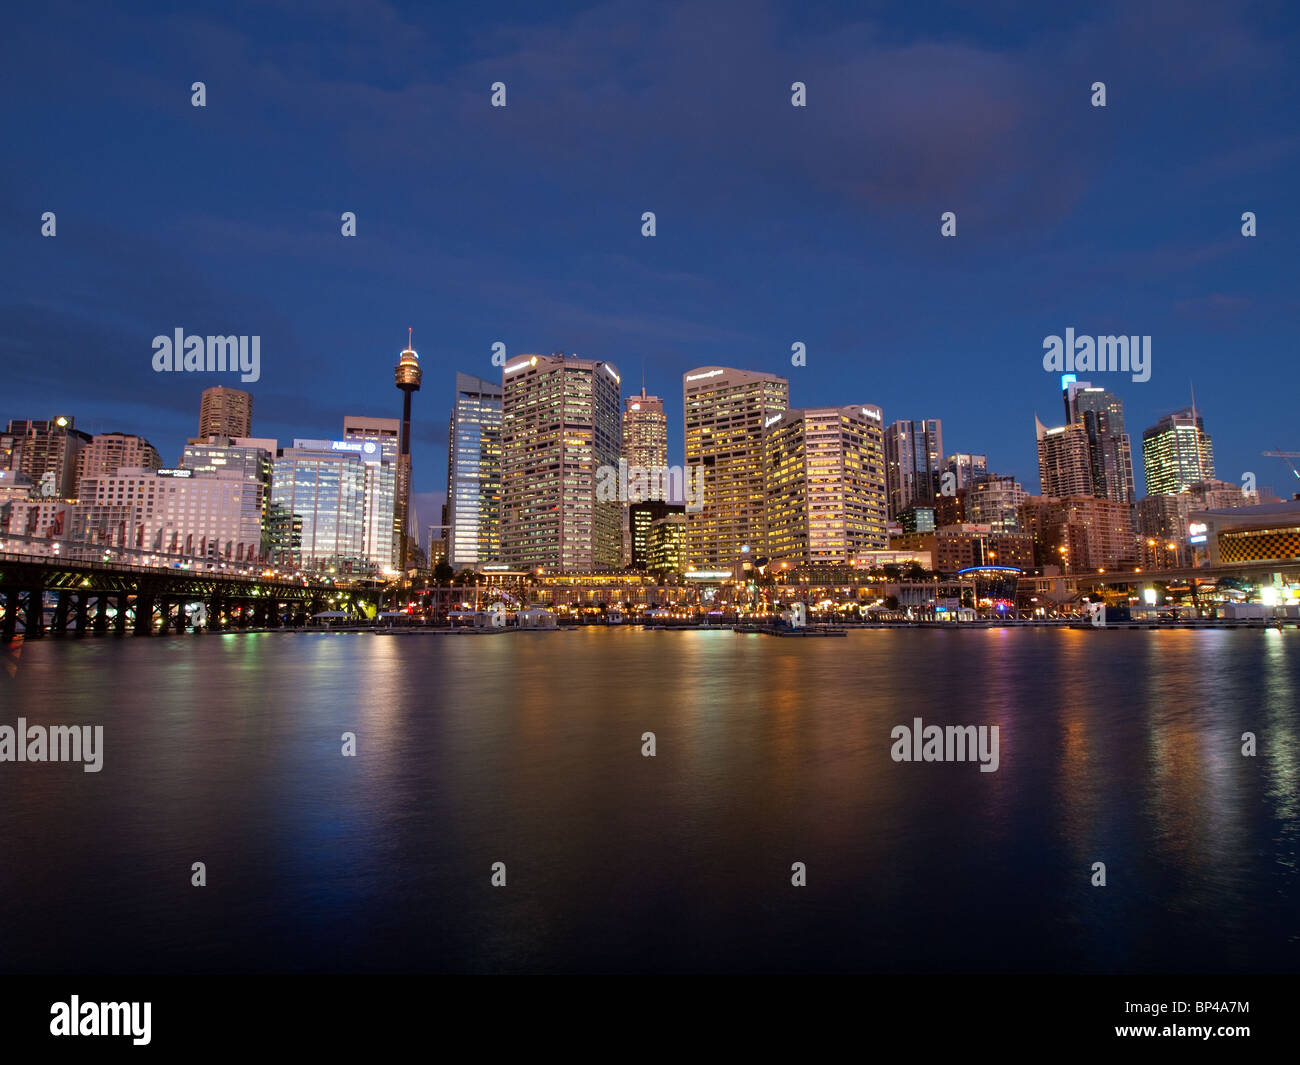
775	224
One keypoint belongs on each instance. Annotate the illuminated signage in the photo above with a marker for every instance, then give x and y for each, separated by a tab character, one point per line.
701	376
346	445
522	365
175	473
612	373
1196	528
707	574
1196	539
874	415
772	420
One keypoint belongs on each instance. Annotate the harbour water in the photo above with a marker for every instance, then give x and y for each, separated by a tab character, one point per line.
1122	747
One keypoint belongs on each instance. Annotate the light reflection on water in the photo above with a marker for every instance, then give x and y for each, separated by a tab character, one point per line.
1116	747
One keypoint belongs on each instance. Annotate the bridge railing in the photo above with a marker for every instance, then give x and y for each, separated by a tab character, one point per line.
22	548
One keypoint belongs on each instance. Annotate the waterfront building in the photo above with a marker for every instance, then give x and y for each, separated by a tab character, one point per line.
725	413
377	441
666	545
319	506
216	517
825	484
641	516
473	504
559	426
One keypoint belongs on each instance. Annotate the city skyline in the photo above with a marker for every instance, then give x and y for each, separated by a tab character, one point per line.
885	305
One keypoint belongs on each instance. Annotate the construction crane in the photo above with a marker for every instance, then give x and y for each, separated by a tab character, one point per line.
1285	456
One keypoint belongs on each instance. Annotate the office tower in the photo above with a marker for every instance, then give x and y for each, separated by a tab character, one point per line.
1064	460
250	458
725	413
473	509
913	463
966	469
825	484
375	440
995	501
666	545
216	516
109	452
407	375
47	451
225	412
645	431
1109	451
559	426
645	444
641	516
318	496
1177	453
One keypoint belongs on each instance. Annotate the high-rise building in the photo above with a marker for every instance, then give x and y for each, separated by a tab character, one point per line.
913	463
318	495
407	375
726	411
1176	453
1110	454
47	451
109	452
645	444
645	431
376	441
559	426
474	473
825	484
1064	460
225	412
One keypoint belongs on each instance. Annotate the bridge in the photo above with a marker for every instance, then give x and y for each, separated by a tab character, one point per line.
98	588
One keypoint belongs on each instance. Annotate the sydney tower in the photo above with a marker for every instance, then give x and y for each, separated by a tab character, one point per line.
408	380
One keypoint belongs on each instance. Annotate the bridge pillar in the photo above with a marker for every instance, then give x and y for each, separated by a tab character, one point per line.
273	614
144	615
83	603
10	628
101	614
35	616
61	611
119	621
214	612
180	617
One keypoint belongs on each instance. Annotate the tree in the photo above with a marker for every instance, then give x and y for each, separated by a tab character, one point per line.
916	572
891	602
443	573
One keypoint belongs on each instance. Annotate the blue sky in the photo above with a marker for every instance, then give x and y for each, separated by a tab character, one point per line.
775	224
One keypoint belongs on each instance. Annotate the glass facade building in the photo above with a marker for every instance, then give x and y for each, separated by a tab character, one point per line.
474	473
318	491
